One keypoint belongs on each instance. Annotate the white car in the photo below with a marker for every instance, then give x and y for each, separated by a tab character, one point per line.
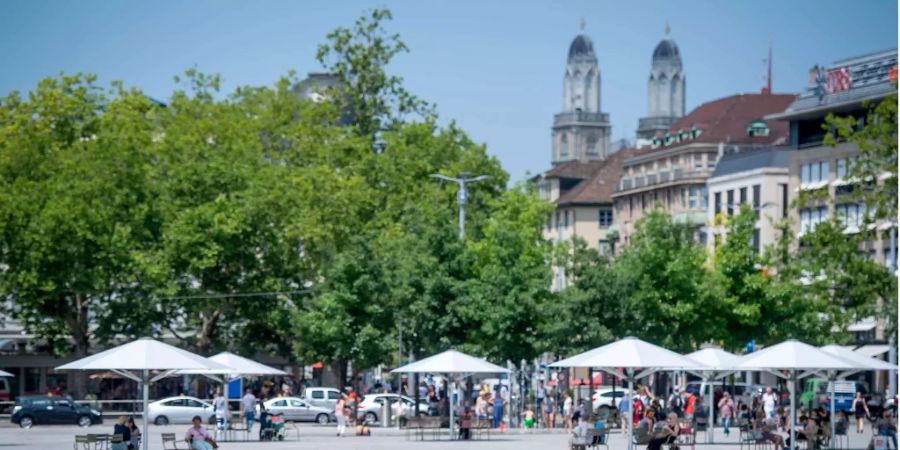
369	408
606	401
179	410
322	397
297	410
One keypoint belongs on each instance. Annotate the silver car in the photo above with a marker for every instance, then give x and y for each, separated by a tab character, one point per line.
369	409
179	410
298	410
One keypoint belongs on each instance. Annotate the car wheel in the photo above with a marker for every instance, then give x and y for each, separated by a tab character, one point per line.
26	422
84	421
371	417
322	419
421	414
161	420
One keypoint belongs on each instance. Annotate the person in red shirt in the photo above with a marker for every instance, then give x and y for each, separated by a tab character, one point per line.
689	403
638	407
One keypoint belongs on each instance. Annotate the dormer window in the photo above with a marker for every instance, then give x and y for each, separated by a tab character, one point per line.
695	132
757	128
668	138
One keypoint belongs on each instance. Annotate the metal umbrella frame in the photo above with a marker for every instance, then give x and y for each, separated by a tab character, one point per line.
721	365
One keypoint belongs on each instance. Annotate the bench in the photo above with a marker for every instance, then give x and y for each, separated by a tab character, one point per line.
480	427
81	442
237	427
593	438
418	425
169	442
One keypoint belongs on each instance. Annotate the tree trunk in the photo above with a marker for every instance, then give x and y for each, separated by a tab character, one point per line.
81	335
208	331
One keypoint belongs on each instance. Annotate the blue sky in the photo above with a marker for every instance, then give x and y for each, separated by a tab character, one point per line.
493	66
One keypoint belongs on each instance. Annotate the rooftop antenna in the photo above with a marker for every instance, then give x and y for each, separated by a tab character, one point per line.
581	24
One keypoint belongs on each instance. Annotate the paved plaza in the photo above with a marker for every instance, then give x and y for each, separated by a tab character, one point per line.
322	437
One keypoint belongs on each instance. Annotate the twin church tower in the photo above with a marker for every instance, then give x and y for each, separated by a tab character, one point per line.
582	131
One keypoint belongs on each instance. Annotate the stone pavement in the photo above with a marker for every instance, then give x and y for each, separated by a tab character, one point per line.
323	437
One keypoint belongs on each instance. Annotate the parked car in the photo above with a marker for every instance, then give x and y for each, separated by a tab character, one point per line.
370	407
322	397
179	410
45	410
298	410
606	402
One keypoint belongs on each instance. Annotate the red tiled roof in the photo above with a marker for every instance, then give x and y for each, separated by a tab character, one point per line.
573	169
602	182
726	119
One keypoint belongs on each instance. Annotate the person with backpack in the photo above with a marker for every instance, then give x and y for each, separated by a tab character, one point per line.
676	403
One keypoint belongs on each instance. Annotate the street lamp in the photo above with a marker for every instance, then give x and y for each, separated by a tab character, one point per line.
462	195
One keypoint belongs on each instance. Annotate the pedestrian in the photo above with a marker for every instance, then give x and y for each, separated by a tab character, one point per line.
667	435
339	415
541	396
676	403
248	408
689	404
220	404
549	416
498	410
860	410
135	434
726	410
623	412
567	411
768	402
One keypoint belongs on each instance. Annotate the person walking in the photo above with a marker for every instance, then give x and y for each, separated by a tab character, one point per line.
220	404
567	411
768	402
726	410
676	403
248	408
860	410
498	410
540	396
339	415
623	412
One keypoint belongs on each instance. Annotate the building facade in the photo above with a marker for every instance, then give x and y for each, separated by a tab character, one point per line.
674	170
757	178
665	91
581	131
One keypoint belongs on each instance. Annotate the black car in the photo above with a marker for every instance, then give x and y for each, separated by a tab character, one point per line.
41	410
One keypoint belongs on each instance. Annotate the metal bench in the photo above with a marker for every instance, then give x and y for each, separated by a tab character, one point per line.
169	442
480	427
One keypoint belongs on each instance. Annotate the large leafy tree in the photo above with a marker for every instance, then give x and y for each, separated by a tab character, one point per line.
76	210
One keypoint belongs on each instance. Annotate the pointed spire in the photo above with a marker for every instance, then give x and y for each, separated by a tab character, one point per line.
667	28
581	24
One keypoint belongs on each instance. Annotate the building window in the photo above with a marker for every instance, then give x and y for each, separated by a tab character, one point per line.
743	195
810	217
558	222
717	202
563	146
704	197
549	222
851	215
605	217
757	128
757	201
755	241
711	161
603	247
566	217
730	202
842	168
891	263
592	145
816	172
692	197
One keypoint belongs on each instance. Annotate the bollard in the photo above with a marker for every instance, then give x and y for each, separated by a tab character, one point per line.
386	413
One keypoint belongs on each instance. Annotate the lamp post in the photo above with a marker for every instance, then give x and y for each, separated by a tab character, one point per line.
462	195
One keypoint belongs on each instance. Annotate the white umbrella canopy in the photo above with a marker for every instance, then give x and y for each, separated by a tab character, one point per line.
451	361
715	358
4	373
861	361
142	354
631	352
136	359
235	366
792	355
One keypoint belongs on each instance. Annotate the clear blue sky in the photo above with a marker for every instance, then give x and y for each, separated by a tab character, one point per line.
493	66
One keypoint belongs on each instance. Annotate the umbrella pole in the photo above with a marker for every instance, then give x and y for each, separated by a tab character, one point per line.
450	402
711	417
831	400
793	414
145	388
629	397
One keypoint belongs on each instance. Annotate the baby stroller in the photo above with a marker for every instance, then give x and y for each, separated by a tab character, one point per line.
271	427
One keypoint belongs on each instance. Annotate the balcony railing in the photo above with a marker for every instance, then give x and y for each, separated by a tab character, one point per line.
579	117
663	177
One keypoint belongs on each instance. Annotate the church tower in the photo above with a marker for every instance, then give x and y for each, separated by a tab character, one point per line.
665	90
581	131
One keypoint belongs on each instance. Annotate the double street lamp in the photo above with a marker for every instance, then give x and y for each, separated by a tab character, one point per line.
462	195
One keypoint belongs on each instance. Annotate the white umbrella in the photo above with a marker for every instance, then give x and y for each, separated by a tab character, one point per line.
235	367
791	356
136	359
631	353
451	362
4	373
861	362
721	364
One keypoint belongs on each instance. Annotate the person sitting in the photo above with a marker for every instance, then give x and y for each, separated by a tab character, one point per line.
121	428
599	439
649	420
528	418
135	434
806	433
763	430
886	426
197	436
667	435
362	429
